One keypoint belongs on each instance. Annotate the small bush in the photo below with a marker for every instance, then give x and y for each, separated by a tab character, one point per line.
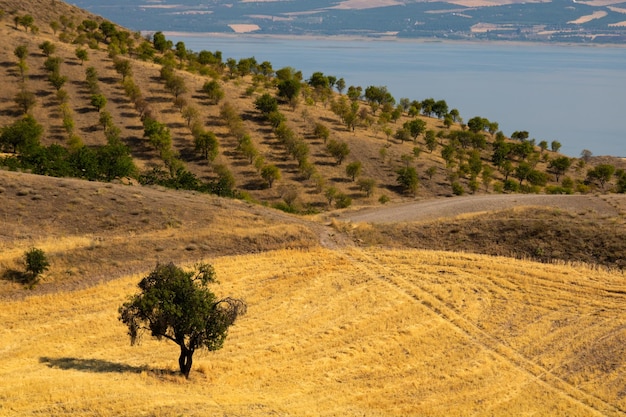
511	185
342	201
555	189
457	188
281	205
36	264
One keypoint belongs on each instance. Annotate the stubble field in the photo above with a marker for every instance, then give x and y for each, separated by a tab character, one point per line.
338	332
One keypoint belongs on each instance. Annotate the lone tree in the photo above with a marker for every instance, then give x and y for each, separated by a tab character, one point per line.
36	264
179	306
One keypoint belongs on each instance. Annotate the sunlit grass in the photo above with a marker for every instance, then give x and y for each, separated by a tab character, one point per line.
347	332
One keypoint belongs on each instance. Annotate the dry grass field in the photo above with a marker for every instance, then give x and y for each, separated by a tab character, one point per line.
338	332
332	328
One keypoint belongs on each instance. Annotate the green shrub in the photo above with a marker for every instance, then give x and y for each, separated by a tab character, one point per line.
342	201
457	188
36	264
511	185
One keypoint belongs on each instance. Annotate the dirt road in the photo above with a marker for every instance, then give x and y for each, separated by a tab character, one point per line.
450	207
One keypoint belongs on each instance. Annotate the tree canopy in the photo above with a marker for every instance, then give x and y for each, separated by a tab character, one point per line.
177	305
23	133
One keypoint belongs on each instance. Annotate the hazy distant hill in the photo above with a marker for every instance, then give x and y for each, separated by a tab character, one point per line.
554	21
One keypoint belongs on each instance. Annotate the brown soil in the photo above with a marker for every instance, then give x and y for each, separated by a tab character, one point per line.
95	232
588	229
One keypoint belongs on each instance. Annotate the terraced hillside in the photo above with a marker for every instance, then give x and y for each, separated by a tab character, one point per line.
388	161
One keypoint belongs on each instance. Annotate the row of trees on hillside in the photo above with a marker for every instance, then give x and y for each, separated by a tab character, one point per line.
22	138
469	153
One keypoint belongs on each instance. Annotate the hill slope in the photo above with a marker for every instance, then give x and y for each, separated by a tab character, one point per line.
344	332
69	118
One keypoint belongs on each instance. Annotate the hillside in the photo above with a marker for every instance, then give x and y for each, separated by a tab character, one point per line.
346	332
332	328
69	119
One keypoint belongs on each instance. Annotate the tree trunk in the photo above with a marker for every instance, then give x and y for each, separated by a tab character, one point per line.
185	360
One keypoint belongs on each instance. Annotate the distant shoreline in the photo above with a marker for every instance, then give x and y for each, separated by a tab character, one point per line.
381	38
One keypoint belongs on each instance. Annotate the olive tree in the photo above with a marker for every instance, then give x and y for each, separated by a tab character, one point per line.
270	173
367	185
601	174
353	169
338	150
21	52
98	101
47	48
36	264
408	179
289	89
22	135
207	144
25	100
123	67
213	91
176	85
178	305
266	104
82	55
559	166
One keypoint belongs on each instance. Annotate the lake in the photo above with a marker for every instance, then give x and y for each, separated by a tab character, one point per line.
573	94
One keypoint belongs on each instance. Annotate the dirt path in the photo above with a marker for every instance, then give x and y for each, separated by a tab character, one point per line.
425	210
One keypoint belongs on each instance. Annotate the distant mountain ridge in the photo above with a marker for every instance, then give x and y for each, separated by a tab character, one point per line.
568	21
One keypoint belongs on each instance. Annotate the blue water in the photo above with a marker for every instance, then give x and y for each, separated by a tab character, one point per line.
575	95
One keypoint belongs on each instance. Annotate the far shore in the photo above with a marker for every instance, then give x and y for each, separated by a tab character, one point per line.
378	38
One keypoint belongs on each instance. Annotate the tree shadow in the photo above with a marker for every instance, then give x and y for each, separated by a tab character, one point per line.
341	179
91	365
43	93
14	275
119	100
109	80
11	112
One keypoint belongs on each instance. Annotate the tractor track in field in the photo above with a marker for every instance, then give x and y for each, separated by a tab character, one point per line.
473	332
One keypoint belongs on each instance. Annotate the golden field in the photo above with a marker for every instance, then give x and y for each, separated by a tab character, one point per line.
338	332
